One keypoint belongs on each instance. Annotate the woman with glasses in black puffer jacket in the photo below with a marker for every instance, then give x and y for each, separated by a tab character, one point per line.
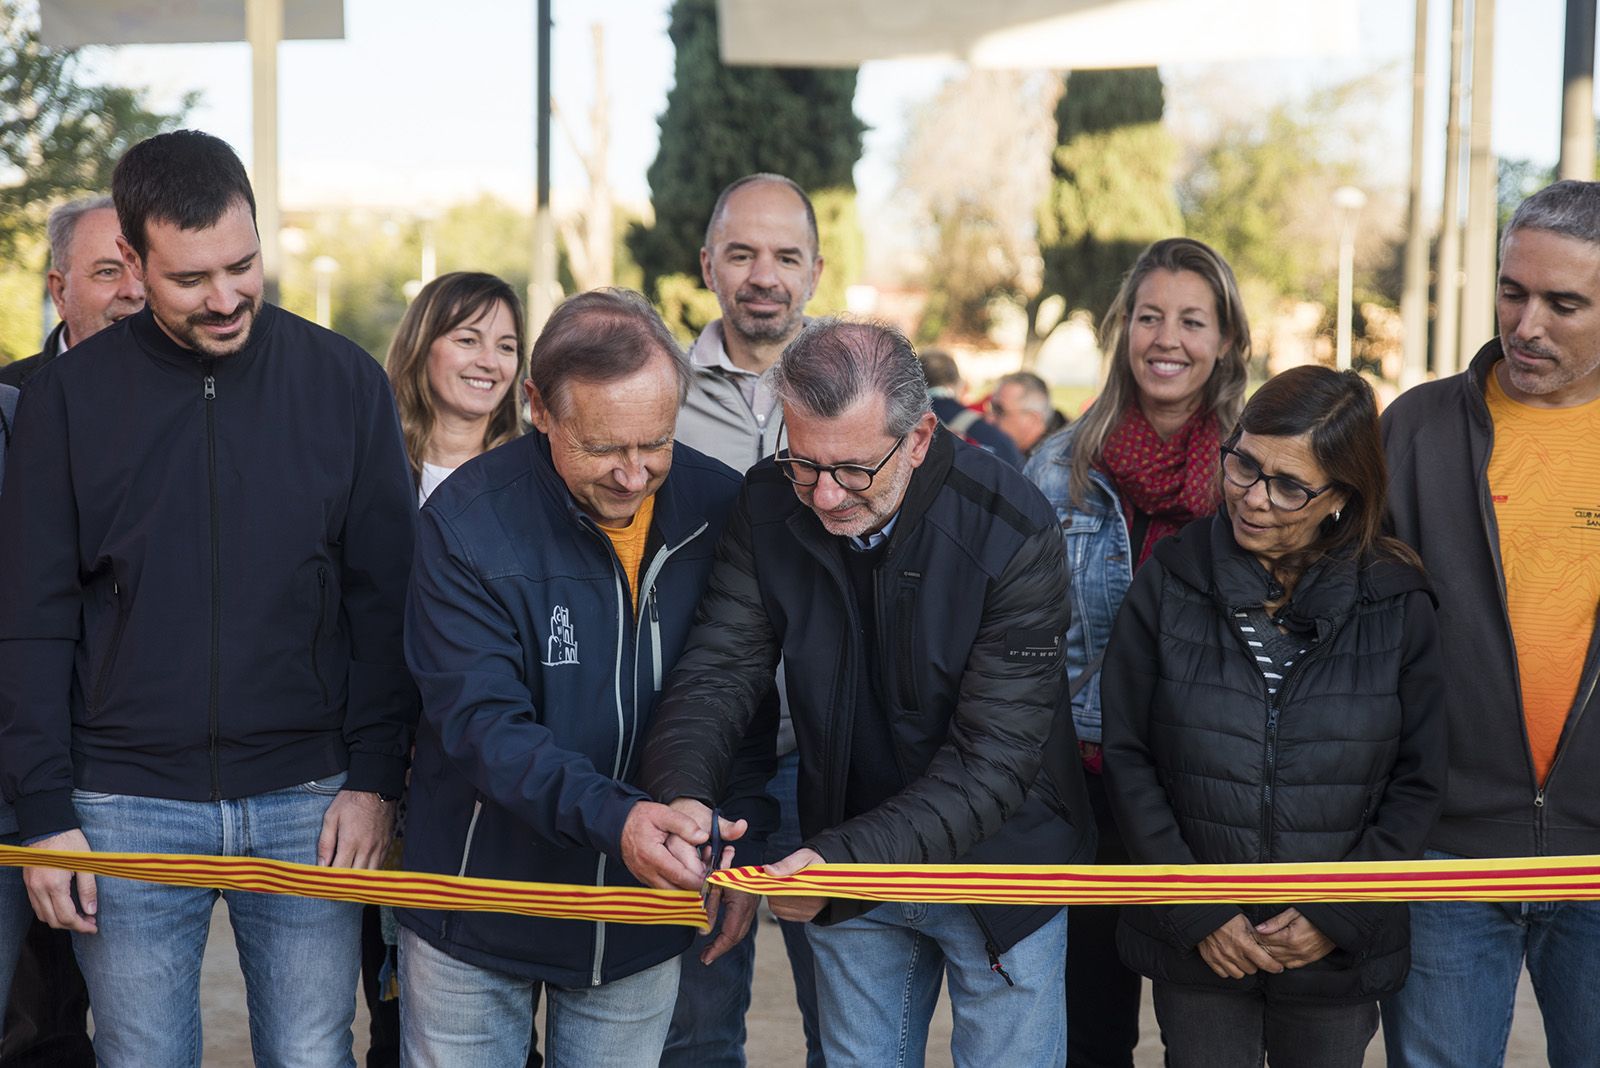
1270	695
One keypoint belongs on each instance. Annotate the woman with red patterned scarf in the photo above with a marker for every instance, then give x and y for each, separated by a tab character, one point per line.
1139	464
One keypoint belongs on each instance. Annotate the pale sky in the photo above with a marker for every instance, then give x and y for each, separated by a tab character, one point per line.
415	108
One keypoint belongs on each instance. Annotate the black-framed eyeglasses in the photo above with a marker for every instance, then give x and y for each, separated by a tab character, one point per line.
1284	494
856	478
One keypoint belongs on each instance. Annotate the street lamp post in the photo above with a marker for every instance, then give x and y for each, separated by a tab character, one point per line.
1349	201
324	268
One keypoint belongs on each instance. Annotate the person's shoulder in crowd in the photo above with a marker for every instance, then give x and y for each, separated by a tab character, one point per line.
1000	489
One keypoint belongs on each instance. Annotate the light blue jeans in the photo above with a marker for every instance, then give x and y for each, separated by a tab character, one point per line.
878	978
458	1015
1466	960
300	956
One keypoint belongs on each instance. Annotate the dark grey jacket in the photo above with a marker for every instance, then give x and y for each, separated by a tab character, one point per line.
972	604
1347	762
1439	438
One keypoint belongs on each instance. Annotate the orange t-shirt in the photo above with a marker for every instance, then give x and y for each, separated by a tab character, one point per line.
628	542
1544	477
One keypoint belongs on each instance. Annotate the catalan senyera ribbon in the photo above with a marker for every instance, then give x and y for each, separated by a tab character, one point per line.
1519	879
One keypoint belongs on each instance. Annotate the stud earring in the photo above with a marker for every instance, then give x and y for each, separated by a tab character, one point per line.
1336	515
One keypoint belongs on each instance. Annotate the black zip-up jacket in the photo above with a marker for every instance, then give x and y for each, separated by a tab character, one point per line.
203	566
1439	438
1347	762
971	606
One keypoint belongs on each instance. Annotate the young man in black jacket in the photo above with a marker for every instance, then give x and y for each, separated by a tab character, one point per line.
1493	480
916	589
204	546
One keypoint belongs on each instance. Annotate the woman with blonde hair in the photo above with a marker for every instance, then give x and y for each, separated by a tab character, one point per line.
460	351
1136	467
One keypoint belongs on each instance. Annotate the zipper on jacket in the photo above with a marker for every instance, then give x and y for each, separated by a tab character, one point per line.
599	927
990	946
212	725
648	610
466	855
1539	827
103	676
655	641
316	632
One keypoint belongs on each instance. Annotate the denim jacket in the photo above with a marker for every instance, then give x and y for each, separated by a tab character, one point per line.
1097	553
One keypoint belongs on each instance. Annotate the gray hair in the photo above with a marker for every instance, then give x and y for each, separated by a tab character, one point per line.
63	223
1569	207
600	336
760	178
1035	392
835	362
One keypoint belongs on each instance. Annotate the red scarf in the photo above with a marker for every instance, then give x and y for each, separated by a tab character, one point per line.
1173	482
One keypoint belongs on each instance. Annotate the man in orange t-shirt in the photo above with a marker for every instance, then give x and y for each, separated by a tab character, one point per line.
1495	479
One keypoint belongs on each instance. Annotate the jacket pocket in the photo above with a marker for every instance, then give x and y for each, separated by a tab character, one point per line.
316	632
905	627
1370	809
102	675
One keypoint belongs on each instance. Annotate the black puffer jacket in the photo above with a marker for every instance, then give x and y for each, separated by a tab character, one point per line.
972	604
1347	764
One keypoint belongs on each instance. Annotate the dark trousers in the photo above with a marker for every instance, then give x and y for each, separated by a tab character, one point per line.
46	1023
1208	1028
1102	993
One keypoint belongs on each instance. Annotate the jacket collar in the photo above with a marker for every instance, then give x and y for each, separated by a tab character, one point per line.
155	341
1205	556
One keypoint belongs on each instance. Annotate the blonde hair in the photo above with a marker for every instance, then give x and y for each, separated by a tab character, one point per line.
1224	390
442	305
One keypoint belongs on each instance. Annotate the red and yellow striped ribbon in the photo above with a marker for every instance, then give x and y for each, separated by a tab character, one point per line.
420	890
1520	879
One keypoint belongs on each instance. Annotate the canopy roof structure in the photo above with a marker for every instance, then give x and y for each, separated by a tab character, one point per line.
1045	34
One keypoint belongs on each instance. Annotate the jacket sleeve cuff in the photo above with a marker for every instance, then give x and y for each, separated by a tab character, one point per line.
1189	925
376	773
606	832
44	814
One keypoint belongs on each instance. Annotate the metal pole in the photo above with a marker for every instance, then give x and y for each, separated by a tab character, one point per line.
1414	295
1348	201
264	29
1448	325
1577	96
542	289
1483	223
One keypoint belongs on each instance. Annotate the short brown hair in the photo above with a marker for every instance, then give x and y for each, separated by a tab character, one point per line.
600	336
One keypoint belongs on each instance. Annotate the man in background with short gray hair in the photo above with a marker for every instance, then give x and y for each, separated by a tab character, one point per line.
89	283
916	590
1021	407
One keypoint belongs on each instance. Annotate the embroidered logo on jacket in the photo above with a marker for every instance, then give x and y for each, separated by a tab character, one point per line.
562	648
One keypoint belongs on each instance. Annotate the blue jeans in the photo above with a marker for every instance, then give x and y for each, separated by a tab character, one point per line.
1466	960
708	1021
299	955
878	978
458	1015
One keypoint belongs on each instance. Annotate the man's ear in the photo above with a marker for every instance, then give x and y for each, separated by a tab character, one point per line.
538	413
56	283
706	276
131	258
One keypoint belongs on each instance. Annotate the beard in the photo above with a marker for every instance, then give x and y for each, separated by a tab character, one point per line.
875	510
190	330
1552	375
763	327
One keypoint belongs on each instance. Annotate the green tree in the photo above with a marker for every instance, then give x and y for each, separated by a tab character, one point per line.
722	123
60	137
1111	194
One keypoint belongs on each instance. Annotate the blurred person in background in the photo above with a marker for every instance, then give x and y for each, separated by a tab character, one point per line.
454	362
945	393
762	260
1138	466
1021	407
1273	692
89	283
